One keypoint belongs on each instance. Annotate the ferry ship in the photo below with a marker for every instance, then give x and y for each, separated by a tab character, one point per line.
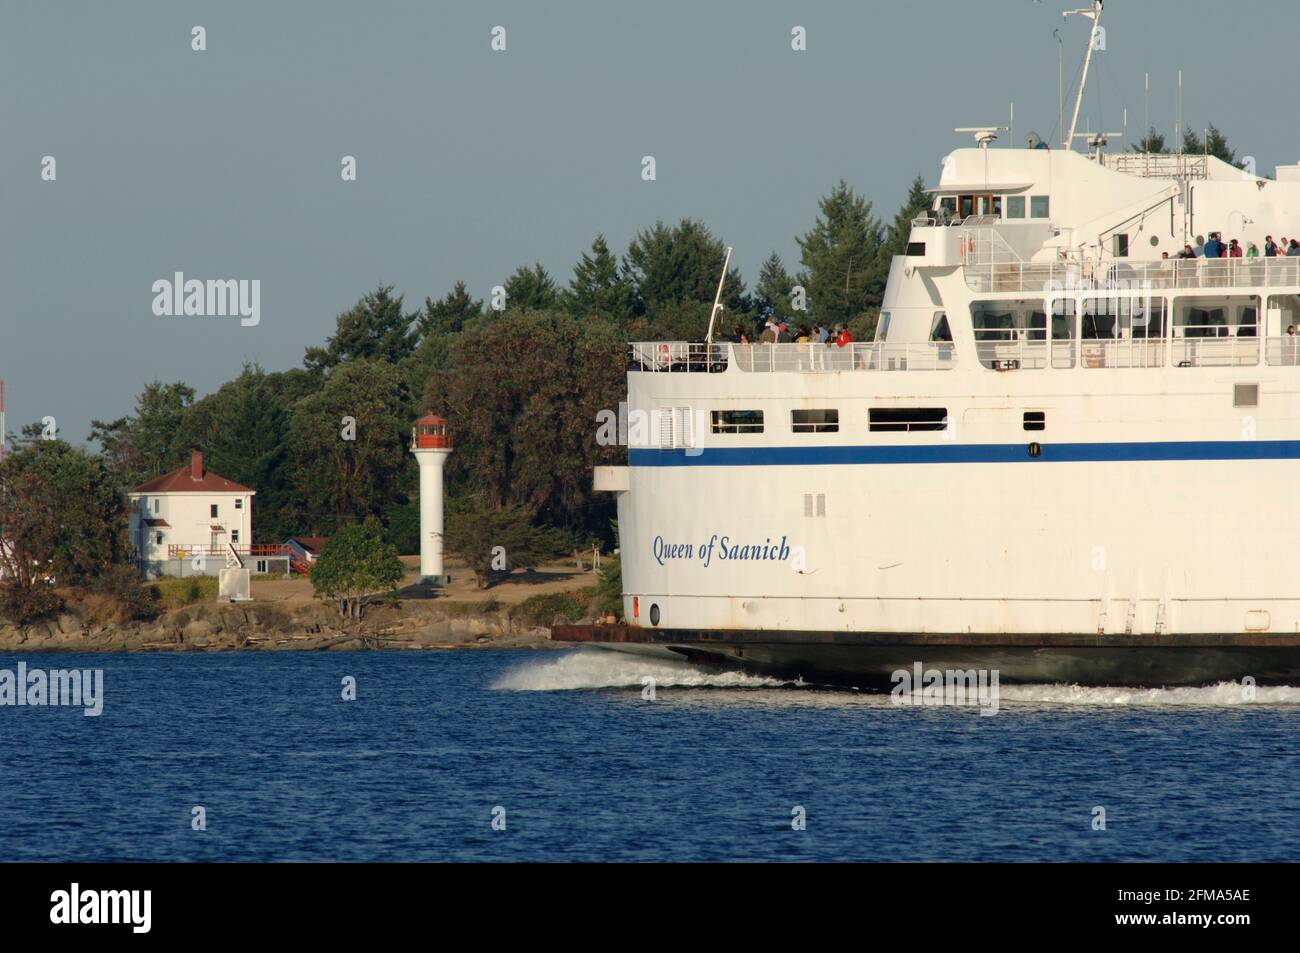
1065	456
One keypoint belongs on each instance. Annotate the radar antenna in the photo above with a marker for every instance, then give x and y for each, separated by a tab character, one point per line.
984	135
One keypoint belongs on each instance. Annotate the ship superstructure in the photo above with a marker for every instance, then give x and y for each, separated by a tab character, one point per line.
1064	454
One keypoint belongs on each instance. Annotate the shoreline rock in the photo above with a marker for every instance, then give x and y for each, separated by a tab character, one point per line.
254	627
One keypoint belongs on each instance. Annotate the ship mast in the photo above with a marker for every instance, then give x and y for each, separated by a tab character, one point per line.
1093	14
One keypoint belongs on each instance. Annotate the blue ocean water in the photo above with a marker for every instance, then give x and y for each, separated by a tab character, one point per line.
586	768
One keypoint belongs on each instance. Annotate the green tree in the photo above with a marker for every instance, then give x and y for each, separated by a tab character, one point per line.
448	316
153	440
598	287
1153	142
1215	143
670	267
522	392
438	327
375	328
348	444
492	540
243	429
531	289
918	200
63	520
608	598
844	270
772	294
354	566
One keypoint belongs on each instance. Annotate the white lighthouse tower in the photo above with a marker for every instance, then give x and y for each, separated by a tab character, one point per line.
431	445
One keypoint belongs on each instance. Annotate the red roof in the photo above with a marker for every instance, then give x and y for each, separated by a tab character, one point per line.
158	523
182	480
313	544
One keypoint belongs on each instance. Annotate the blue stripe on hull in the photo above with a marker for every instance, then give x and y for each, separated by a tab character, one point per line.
968	453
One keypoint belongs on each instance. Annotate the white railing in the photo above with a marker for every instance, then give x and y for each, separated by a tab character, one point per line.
1282	351
1159	165
684	357
1013	353
1191	346
866	356
677	356
1067	276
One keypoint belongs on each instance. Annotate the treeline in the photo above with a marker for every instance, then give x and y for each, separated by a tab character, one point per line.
1214	143
326	444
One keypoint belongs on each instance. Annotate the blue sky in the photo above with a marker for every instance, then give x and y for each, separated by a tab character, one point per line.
225	163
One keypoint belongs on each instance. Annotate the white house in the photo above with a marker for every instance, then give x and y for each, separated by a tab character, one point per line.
192	512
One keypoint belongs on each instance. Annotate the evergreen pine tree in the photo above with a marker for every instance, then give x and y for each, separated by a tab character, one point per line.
597	286
842	259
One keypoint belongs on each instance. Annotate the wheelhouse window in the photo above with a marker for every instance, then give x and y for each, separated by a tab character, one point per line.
907	419
1015	206
815	421
737	421
1039	206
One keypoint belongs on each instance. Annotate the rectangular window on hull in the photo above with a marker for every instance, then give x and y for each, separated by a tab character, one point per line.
737	421
815	421
1015	206
1039	206
907	419
1035	420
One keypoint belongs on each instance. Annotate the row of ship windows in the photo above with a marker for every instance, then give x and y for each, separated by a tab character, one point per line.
879	420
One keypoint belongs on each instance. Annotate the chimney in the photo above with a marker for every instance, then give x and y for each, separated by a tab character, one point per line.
196	465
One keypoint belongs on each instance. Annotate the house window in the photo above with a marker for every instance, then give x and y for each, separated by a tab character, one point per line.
1039	206
261	566
157	539
815	421
213	508
1015	206
234	535
239	502
156	503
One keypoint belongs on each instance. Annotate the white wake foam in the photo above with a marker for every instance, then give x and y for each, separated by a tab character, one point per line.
1222	695
591	669
598	668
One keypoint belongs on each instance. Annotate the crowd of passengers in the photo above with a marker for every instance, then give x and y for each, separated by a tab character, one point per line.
1216	248
776	331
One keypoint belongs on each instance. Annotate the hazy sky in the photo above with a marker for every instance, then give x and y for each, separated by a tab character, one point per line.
226	163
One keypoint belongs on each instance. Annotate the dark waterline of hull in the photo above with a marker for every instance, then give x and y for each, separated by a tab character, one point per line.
868	660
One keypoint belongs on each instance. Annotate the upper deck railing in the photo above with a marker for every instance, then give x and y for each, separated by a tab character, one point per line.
1159	166
1193	273
698	357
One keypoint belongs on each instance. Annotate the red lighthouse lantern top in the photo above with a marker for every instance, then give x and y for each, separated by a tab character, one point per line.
430	433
